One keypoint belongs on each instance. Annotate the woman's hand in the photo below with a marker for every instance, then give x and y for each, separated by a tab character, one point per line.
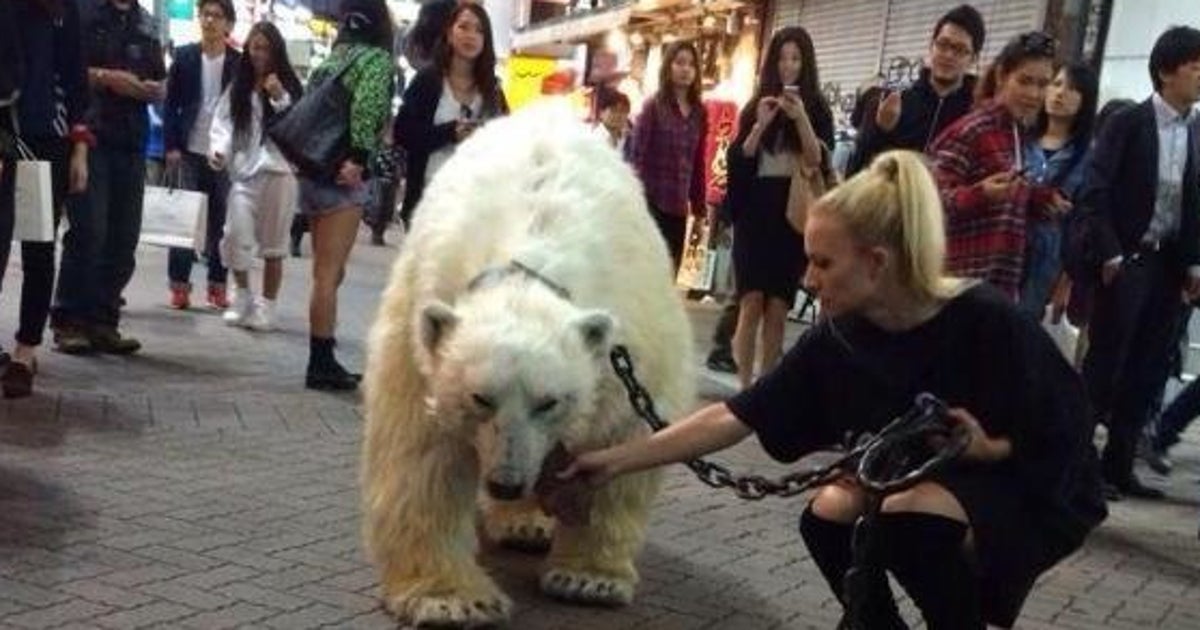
77	177
273	87
463	129
767	109
998	186
981	447
792	105
350	174
216	161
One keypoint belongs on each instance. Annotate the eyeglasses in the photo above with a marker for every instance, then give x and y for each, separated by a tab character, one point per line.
1038	43
212	16
948	47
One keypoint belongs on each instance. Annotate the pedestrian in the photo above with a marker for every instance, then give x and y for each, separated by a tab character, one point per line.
786	128
263	193
979	167
49	117
1054	163
334	207
968	543
612	117
1143	193
911	117
448	100
199	74
125	71
666	147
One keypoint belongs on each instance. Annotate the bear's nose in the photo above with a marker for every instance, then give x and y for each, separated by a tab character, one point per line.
504	491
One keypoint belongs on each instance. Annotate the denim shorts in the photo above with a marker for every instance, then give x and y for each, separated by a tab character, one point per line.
318	198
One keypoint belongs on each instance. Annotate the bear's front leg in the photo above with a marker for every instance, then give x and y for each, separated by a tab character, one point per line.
594	564
519	524
422	533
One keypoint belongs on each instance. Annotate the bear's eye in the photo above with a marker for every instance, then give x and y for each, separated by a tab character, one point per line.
546	405
483	401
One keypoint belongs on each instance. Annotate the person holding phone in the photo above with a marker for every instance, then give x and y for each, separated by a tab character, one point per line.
262	195
910	117
978	164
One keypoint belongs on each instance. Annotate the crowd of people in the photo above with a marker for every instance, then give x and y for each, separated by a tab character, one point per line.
970	209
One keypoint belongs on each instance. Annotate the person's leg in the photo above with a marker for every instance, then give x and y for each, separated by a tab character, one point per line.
272	217
721	356
299	227
79	268
216	186
750	312
333	236
237	248
774	318
118	259
272	277
181	259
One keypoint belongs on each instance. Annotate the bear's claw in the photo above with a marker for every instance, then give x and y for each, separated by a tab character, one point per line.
586	588
526	531
453	612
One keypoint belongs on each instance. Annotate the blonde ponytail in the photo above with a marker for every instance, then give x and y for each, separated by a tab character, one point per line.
894	203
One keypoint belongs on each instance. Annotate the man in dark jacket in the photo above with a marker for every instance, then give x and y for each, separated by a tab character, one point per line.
199	74
125	71
911	118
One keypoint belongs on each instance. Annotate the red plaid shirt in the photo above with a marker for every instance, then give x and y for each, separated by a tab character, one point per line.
667	151
984	239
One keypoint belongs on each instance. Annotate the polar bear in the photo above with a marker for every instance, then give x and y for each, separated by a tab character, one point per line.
530	256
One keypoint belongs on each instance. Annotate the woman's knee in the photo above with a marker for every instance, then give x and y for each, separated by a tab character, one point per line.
840	502
925	498
751	302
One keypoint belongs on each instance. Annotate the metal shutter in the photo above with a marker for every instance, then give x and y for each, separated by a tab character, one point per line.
910	23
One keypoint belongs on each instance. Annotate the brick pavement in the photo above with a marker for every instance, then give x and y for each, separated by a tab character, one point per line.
198	485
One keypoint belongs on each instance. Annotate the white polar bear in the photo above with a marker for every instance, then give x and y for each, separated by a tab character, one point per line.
531	254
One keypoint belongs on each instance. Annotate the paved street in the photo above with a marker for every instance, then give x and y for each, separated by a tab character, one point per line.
198	485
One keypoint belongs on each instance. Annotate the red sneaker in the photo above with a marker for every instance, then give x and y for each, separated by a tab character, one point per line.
181	297
217	299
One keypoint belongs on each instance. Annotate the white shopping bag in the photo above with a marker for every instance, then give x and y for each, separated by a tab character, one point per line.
699	262
34	202
1065	336
172	217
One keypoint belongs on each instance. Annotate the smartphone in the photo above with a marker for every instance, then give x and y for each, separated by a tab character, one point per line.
794	90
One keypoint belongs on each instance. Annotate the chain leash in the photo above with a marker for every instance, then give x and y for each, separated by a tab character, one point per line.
925	419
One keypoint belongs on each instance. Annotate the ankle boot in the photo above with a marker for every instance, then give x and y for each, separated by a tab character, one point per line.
324	371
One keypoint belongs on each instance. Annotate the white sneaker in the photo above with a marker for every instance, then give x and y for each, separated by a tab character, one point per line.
240	308
262	318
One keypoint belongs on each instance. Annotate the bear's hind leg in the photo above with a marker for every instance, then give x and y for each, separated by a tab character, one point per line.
594	564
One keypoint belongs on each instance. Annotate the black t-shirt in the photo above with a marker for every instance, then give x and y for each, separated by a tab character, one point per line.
978	353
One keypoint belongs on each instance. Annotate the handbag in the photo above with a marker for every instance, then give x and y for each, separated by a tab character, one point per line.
33	219
314	133
173	217
808	185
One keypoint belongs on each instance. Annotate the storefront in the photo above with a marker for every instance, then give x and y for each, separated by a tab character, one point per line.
858	40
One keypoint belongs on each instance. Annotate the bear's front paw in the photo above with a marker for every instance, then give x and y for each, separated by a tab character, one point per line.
587	588
524	530
452	611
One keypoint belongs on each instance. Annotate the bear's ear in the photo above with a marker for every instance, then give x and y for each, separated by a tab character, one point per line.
596	328
437	319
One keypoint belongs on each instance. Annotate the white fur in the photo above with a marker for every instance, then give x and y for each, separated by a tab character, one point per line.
540	189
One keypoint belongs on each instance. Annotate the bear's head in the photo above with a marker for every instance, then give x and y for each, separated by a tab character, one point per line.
517	366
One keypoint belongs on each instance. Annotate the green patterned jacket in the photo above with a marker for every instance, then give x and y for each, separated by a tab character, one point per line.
370	82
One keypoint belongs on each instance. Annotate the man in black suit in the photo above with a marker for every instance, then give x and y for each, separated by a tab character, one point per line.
198	76
1143	188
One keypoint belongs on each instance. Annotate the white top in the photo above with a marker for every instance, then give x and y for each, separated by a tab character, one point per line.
1172	158
256	155
211	69
449	109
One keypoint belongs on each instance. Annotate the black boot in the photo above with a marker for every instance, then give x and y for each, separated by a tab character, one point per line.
324	371
925	553
829	544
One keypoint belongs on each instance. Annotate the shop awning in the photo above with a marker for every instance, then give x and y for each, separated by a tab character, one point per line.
572	28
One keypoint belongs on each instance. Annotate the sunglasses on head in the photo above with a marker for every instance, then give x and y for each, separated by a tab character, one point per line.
1039	43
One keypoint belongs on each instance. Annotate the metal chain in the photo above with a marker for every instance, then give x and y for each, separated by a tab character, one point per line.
749	487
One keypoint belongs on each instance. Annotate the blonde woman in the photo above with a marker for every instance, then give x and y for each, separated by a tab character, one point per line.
968	543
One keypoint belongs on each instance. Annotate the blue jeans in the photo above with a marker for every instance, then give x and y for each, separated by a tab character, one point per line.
100	242
195	174
1043	262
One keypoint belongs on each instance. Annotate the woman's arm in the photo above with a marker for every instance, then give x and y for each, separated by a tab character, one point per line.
710	429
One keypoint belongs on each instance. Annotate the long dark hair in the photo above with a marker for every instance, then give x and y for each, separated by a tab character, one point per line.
245	80
1082	79
666	91
365	22
483	70
770	83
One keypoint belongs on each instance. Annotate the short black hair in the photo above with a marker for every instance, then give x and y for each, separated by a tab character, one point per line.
1177	46
226	7
967	18
609	97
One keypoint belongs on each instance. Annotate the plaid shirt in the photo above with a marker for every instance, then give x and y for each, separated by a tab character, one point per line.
667	151
984	239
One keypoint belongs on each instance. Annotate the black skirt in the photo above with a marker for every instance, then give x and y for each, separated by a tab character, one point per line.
1009	547
768	255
